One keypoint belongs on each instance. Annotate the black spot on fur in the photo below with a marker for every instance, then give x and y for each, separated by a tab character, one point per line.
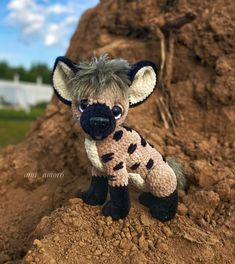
127	128
151	145
119	166
143	141
135	166
118	135
163	157
150	163
132	148
107	157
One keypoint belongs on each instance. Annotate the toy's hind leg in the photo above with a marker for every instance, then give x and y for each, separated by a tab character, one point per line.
162	199
162	208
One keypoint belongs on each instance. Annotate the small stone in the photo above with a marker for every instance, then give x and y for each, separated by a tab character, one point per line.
97	252
123	244
108	233
66	219
224	191
128	236
143	244
109	220
37	260
222	66
163	247
122	234
167	231
61	231
56	239
29	258
81	244
100	231
135	240
145	220
202	222
76	222
116	243
37	243
44	198
138	258
182	209
138	228
100	222
134	248
151	244
213	223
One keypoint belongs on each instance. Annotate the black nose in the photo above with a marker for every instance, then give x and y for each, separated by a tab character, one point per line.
99	123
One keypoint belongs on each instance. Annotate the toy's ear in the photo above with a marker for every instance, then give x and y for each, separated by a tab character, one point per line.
63	72
143	77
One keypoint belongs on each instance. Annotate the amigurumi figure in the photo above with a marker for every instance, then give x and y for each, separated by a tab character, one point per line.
100	93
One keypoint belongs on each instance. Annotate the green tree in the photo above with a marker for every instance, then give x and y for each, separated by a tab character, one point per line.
37	69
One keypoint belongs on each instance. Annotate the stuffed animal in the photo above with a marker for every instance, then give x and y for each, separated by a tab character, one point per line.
100	93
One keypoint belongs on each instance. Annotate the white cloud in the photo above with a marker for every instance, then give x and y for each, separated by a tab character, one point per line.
51	23
59	9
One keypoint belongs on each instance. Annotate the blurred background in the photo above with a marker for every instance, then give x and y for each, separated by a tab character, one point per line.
33	33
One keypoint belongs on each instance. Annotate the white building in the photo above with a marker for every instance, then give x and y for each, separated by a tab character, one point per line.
24	94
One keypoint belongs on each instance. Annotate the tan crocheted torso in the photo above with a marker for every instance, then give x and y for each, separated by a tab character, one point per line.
125	155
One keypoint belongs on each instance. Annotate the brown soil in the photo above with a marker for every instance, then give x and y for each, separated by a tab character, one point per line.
42	222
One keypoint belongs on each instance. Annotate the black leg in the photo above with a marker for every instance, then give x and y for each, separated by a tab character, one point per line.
119	205
97	192
147	199
162	208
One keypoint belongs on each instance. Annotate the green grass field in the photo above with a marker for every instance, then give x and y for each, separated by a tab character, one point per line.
15	124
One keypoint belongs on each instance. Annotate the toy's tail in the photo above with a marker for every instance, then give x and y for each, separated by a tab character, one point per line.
178	169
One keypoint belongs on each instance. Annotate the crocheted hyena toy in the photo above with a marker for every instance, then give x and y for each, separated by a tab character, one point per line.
100	93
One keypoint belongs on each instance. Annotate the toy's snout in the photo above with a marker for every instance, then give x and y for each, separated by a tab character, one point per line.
98	121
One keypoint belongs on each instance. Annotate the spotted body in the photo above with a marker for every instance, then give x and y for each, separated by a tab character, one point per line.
126	156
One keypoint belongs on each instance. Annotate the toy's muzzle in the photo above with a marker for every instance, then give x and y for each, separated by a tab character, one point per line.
98	121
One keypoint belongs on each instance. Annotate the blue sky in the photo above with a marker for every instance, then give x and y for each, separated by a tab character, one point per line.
38	30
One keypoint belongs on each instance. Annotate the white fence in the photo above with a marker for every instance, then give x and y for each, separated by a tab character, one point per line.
24	94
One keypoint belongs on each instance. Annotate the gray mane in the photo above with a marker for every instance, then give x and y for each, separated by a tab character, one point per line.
101	73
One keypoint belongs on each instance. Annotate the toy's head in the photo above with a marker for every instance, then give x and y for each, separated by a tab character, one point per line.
101	91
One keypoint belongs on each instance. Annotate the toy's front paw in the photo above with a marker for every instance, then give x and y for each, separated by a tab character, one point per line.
115	210
91	198
97	193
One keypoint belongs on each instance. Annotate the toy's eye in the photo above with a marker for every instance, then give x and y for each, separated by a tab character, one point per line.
83	105
117	111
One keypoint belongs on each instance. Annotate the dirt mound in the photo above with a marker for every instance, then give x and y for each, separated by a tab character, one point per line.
201	91
78	233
